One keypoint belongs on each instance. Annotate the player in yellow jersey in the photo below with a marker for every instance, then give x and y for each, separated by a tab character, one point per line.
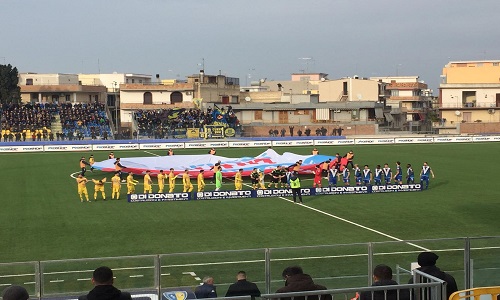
186	182
148	183
161	181
115	186
82	188
131	182
99	187
171	180
238	180
201	182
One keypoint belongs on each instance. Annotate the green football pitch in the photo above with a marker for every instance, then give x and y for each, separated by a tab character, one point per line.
42	218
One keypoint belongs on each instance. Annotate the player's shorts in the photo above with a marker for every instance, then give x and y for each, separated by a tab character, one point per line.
358	179
274	180
332	179
410	178
284	180
378	181
255	181
388	179
399	177
424	177
347	180
366	181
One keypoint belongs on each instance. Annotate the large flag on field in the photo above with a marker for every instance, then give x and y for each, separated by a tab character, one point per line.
266	162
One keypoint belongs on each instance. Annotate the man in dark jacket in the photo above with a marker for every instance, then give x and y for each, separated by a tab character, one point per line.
297	281
382	276
207	289
102	279
243	287
427	262
15	292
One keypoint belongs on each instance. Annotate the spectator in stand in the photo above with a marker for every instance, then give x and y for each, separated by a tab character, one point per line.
427	262
297	281
382	276
243	287
207	289
102	279
291	130
16	292
283	132
275	132
299	132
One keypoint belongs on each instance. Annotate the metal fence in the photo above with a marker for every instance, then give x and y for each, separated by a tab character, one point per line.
472	261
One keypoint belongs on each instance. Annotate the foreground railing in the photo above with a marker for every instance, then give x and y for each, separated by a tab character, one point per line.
472	261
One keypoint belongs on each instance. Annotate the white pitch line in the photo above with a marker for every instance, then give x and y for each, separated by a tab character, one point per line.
197	278
17	275
189	273
57	281
83	279
4	284
151	153
166	274
359	225
85	271
30	282
136	276
352	223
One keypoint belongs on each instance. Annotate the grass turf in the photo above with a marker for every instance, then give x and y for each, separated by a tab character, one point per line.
42	217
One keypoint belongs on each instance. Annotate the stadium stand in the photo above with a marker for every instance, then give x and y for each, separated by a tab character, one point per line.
159	123
48	121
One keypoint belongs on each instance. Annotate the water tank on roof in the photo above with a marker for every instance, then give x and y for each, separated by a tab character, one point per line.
255	83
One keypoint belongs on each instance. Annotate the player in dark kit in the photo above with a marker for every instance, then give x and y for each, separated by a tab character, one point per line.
398	177
255	178
410	175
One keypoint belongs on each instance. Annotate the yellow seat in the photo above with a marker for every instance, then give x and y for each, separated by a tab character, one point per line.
476	293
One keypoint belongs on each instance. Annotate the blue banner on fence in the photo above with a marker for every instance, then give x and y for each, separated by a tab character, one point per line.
265	193
159	197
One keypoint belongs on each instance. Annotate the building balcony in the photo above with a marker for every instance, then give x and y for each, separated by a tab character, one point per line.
476	105
407	98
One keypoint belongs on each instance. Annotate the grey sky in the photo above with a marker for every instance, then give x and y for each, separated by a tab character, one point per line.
264	38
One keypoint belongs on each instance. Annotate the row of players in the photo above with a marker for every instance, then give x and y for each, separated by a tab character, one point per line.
365	176
280	175
148	183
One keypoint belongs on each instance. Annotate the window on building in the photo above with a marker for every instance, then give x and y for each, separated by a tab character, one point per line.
68	99
147	98
176	97
394	93
479	64
417	93
140	80
495	64
258	115
29	81
133	80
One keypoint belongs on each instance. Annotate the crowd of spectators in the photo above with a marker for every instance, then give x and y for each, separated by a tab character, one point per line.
34	122
18	117
160	123
84	119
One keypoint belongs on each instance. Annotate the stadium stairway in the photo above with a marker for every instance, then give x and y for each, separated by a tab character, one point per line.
56	126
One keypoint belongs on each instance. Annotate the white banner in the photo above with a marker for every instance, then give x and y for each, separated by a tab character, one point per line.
115	146
7	149
334	142
206	144
161	146
413	140
458	139
53	148
373	141
249	144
